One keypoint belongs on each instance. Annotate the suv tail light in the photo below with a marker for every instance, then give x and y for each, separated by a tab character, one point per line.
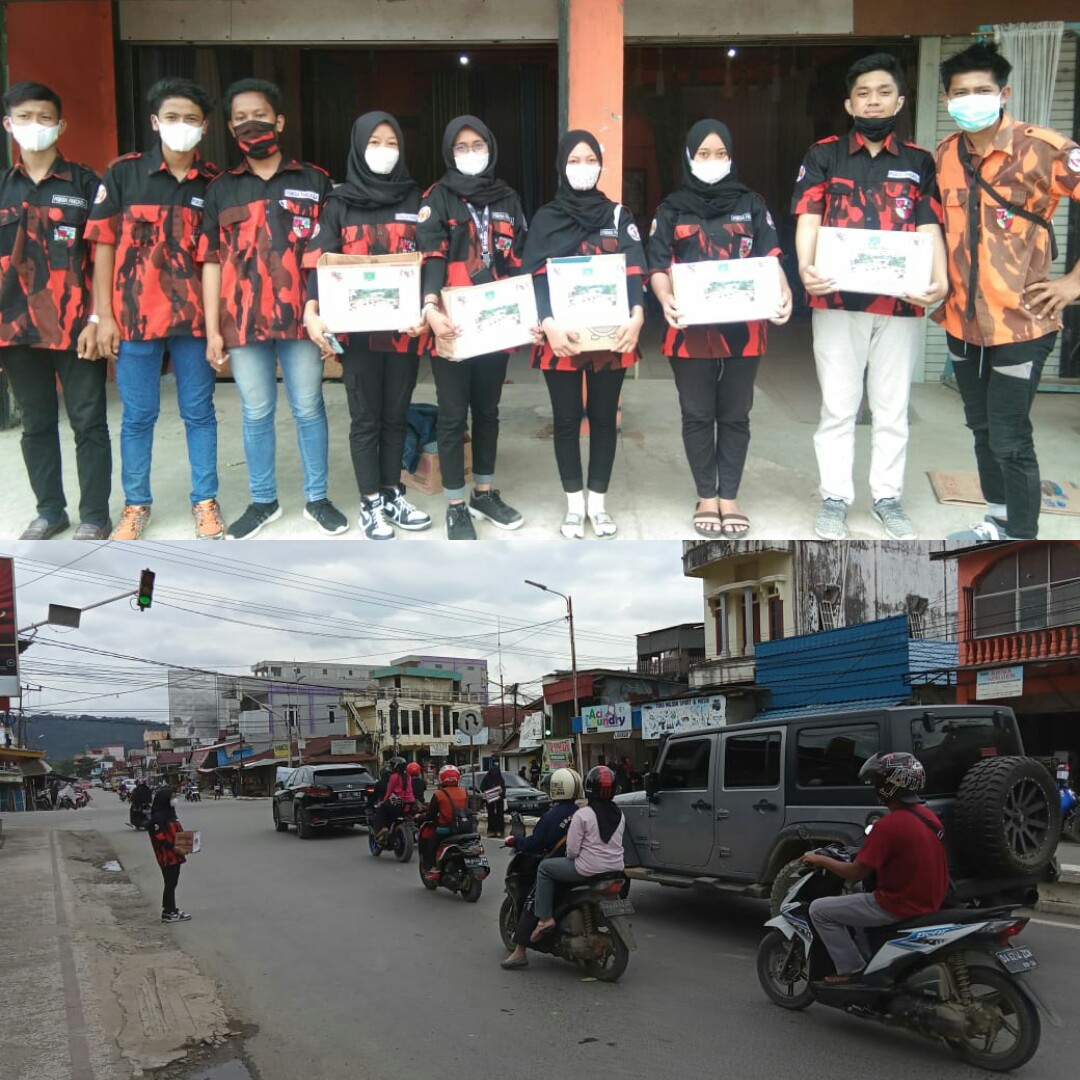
315	791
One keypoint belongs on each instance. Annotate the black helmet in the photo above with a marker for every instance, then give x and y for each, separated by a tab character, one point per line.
895	775
384	772
397	764
600	783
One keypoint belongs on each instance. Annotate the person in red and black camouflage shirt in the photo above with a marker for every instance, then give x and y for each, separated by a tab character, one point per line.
47	329
373	213
148	291
257	222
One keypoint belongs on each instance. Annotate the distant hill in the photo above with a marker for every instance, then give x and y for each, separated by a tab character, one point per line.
64	736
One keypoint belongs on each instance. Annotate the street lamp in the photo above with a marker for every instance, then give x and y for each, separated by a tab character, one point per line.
573	661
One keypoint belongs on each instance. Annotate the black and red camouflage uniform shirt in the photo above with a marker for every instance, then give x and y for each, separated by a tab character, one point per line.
746	232
258	230
353	230
896	191
153	221
45	267
623	237
451	243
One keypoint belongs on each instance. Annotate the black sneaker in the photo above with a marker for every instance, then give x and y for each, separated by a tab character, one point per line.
327	516
175	916
253	519
489	504
459	524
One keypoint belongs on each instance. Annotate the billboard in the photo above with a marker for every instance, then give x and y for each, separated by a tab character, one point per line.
606	719
9	638
531	732
669	717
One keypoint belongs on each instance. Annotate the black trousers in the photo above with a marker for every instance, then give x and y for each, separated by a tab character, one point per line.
171	874
998	386
716	397
33	374
496	820
379	387
461	386
602	407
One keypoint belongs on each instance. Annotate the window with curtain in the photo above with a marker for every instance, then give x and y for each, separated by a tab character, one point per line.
1033	49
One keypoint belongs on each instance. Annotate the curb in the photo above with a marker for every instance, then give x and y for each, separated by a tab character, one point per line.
1061	897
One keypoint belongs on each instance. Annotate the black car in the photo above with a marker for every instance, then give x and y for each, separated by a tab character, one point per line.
322	796
520	794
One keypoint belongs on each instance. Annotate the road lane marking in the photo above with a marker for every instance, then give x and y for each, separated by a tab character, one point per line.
1053	922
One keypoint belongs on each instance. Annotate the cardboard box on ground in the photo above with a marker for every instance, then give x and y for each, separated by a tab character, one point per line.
428	476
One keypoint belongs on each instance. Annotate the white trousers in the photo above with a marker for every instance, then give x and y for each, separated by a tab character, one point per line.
847	344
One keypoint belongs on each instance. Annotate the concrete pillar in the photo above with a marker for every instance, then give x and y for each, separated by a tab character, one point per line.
591	79
68	45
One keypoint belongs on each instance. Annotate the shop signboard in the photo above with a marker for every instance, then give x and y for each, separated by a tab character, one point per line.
606	719
673	717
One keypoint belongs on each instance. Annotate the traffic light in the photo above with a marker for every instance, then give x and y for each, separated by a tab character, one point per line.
146	589
547	725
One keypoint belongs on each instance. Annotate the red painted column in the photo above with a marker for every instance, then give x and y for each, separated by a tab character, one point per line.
68	45
592	73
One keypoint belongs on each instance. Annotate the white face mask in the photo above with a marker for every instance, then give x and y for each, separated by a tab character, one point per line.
381	159
711	171
35	137
472	164
975	112
180	137
582	177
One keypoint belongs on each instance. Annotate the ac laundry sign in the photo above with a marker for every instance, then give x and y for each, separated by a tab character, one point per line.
606	719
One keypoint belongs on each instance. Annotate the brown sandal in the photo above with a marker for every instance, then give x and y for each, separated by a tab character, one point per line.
708	517
735	525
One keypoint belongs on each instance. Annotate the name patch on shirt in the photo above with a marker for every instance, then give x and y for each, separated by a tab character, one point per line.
407	217
500	215
69	200
902	174
609	232
740	217
197	202
296	193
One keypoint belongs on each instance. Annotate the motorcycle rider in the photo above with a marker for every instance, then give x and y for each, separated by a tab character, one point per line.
66	797
398	786
548	839
906	852
593	847
140	799
448	801
419	787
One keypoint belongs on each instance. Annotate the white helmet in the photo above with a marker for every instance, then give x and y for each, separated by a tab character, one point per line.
564	785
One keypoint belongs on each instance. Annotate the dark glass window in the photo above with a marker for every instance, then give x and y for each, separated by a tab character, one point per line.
833	756
948	748
752	760
686	765
1029	589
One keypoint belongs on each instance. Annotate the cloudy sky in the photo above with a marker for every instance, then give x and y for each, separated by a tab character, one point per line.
224	607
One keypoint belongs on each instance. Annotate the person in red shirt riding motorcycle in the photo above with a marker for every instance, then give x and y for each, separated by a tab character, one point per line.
906	852
446	815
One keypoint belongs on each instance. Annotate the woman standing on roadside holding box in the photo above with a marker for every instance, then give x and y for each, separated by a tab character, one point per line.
711	217
581	220
163	830
373	213
471	231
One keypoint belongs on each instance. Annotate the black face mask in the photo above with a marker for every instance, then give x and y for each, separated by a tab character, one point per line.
256	138
876	128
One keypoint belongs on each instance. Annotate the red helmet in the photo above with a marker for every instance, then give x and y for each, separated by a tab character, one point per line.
413	768
600	783
449	775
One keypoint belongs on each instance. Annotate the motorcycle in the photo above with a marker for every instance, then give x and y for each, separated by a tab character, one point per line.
66	802
81	799
123	794
954	976
460	864
1070	806
192	794
399	837
139	817
42	801
592	925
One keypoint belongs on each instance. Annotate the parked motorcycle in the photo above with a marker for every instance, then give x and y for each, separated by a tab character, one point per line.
42	801
592	925
400	837
1070	806
955	976
460	864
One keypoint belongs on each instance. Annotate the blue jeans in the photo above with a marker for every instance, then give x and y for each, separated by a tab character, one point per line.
549	873
138	379
254	368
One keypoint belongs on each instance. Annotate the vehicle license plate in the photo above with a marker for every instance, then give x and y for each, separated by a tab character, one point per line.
616	907
476	860
1017	960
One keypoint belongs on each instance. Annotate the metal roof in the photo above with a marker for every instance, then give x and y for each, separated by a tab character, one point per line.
829	707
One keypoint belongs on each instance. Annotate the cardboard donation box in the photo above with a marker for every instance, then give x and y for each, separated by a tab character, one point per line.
188	843
726	290
491	318
875	261
368	293
428	476
588	297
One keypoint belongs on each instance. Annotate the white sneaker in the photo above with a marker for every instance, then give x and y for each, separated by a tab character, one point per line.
401	512
985	532
373	519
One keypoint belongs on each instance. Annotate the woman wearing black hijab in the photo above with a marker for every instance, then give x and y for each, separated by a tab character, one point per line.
713	216
373	213
163	829
581	220
471	231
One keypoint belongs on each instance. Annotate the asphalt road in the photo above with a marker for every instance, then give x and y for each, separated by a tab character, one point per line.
350	970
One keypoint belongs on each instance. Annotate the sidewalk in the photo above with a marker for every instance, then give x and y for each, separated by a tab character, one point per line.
651	493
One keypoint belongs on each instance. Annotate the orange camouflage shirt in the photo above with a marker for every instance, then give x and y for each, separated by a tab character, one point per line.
1031	167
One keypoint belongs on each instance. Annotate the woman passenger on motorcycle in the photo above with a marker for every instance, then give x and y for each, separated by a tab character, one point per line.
548	838
593	847
416	775
399	786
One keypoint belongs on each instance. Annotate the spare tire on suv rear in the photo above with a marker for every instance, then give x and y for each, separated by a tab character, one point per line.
1006	820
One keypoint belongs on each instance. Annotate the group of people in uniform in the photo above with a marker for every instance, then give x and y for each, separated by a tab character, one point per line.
167	252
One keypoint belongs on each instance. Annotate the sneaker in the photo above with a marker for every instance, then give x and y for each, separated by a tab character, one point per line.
402	512
208	521
459	524
831	521
373	515
489	504
133	521
327	516
253	519
41	528
895	521
175	916
988	531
